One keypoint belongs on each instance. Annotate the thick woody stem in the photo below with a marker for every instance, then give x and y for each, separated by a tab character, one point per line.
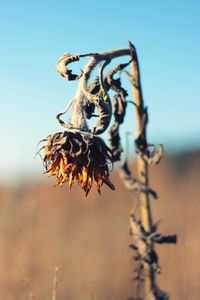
78	119
145	209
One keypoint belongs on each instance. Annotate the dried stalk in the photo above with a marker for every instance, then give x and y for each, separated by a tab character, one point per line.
144	231
145	209
55	284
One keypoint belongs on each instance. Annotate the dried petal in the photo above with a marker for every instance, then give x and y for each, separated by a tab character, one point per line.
75	154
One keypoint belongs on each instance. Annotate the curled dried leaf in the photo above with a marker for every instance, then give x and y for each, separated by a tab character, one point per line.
62	63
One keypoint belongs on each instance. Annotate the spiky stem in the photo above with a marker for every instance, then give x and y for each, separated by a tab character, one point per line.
145	209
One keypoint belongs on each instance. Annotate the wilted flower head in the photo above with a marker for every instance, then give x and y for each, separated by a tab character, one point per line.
77	155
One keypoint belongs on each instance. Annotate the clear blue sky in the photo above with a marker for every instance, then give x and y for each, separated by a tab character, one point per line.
34	34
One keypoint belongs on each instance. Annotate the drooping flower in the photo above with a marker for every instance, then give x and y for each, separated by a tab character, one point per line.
78	155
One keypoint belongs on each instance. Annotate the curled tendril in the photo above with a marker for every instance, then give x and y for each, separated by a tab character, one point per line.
119	105
62	63
115	84
99	97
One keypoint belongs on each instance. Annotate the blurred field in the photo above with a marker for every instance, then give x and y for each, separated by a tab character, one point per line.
42	227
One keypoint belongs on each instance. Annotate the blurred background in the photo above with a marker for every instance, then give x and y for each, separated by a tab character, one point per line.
42	227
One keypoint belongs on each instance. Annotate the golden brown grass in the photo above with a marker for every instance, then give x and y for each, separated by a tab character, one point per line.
42	227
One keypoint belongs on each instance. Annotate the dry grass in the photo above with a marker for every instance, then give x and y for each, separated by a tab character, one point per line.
42	227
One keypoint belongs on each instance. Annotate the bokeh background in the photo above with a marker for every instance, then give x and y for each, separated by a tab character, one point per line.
42	227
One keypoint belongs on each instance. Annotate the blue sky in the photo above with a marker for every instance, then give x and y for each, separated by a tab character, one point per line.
34	34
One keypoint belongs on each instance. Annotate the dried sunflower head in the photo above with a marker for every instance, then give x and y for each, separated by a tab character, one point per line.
78	155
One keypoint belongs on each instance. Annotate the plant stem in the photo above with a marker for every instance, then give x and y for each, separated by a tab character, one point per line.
145	209
55	284
78	119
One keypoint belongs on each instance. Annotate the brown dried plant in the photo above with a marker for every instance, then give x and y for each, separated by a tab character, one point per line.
78	153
